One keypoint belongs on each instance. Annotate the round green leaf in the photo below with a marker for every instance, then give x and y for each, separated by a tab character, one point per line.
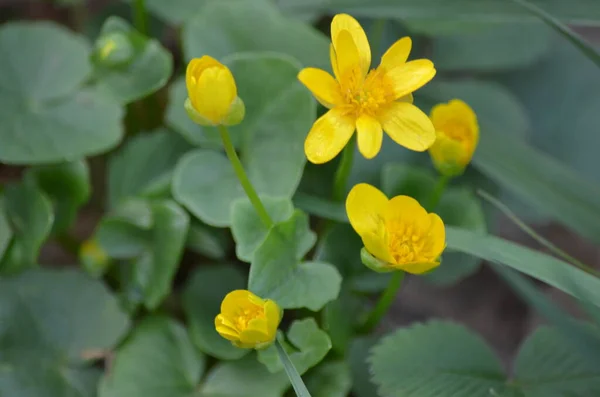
227	27
247	228
42	117
157	360
202	299
208	241
279	112
426	358
147	70
331	379
144	166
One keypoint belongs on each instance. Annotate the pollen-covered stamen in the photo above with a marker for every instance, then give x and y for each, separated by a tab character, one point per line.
244	316
369	96
405	242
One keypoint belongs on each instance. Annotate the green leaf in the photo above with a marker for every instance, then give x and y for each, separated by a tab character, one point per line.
157	360
331	379
146	68
29	213
340	320
144	166
362	386
426	358
225	27
5	229
52	322
547	366
248	230
208	241
492	48
279	112
582	12
243	378
43	116
309	345
201	301
277	273
68	185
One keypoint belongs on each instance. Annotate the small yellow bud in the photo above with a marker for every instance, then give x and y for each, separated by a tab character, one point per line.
93	257
457	136
398	234
247	320
114	49
212	93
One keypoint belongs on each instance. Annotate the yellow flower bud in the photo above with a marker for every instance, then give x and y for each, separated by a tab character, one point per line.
114	49
457	135
212	93
93	257
247	320
398	234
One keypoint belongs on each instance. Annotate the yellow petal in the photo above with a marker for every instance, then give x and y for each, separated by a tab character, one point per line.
344	22
450	157
236	300
350	73
322	85
377	246
196	67
408	126
225	331
405	210
410	76
397	54
366	206
436	236
370	136
419	267
328	136
273	314
256	333
214	93
333	58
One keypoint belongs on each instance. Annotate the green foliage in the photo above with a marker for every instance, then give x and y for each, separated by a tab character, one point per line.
158	359
332	379
45	114
278	114
129	66
52	322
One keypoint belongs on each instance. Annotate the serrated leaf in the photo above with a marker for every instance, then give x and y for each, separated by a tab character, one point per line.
201	301
144	166
157	360
51	321
426	358
308	346
248	230
277	272
146	70
204	181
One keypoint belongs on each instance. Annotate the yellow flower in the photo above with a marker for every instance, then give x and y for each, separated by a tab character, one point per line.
212	93
398	234
247	320
368	101
457	136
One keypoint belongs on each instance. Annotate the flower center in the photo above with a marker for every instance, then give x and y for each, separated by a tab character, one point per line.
404	241
369	96
244	316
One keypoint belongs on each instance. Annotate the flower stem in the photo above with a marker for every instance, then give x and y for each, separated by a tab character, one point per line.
343	172
243	178
139	16
438	191
292	373
383	304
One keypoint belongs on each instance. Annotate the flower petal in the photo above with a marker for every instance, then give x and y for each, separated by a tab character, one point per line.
410	76
370	136
236	300
377	246
224	330
408	126
328	136
214	93
366	206
196	66
344	22
333	58
436	236
322	85
273	314
397	54
405	210
419	267
350	73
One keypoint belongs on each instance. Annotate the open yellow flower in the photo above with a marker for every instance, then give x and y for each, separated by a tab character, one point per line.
369	101
457	133
398	234
247	320
212	93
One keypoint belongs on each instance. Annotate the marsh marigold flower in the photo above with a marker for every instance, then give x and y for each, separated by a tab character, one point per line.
398	234
247	320
212	93
457	136
370	101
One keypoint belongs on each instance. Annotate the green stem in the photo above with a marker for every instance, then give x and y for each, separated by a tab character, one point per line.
438	191
243	178
139	16
343	172
292	373
383	304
